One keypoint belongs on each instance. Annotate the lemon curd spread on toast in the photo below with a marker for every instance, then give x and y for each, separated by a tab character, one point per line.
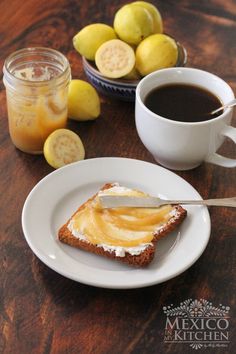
129	234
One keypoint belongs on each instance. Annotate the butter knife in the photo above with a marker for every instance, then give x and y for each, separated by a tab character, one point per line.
111	201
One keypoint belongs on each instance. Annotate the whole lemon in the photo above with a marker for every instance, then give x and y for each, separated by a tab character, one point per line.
89	39
156	16
83	101
133	23
158	51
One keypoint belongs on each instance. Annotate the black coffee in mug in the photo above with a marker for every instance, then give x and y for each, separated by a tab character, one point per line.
183	102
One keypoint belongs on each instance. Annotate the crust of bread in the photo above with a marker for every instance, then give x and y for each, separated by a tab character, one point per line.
141	260
177	218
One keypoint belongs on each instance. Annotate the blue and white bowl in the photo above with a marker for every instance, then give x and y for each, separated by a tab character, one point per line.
120	88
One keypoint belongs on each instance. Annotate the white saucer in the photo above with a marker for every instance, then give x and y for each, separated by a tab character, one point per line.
53	200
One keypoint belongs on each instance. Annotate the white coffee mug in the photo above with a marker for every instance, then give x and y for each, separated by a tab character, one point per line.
181	145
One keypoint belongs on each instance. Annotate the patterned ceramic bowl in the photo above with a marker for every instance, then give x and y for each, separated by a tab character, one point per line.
120	88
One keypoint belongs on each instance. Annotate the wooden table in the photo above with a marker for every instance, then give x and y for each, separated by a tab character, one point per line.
43	312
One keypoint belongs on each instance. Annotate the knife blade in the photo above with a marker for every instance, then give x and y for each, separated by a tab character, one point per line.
111	201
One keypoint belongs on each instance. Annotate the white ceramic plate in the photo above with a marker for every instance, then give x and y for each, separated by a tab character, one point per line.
53	200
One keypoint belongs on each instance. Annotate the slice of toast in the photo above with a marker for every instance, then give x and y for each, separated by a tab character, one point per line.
134	256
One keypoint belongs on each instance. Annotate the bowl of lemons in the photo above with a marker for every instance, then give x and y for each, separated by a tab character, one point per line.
121	88
116	58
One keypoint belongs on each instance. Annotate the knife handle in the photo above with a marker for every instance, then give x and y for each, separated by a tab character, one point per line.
228	202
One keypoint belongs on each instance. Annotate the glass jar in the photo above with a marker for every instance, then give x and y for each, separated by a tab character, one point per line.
36	81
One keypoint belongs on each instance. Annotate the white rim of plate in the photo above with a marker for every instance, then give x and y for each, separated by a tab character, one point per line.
98	283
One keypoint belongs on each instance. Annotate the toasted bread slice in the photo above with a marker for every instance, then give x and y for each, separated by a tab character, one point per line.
136	256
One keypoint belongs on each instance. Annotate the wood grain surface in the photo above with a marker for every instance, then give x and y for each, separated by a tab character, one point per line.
40	310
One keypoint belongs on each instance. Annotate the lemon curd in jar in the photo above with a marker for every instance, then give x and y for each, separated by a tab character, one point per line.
36	81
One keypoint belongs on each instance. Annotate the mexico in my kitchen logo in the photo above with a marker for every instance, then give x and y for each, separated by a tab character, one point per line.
197	323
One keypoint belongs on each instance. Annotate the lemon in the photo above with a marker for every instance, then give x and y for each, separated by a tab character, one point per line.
83	101
156	16
156	52
115	58
63	147
89	39
133	23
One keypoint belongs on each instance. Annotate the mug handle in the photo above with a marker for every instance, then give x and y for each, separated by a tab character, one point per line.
220	160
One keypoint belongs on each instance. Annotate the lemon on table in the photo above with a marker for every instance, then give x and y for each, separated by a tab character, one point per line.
89	39
83	101
133	23
158	51
115	58
156	16
63	147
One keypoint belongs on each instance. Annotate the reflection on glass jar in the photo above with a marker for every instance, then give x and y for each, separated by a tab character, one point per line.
36	81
